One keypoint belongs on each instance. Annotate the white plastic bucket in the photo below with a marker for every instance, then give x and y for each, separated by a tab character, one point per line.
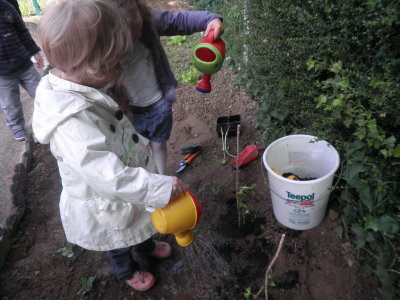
299	204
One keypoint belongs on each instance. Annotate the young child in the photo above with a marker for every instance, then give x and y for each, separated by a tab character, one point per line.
148	79
106	171
16	49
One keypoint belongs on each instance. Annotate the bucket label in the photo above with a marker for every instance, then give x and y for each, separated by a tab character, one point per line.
299	216
303	200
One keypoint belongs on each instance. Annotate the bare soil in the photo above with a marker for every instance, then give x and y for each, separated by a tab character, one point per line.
224	260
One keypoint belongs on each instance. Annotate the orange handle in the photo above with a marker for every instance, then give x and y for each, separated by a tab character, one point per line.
189	160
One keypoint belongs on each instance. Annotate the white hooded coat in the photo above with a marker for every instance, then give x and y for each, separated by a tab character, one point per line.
107	173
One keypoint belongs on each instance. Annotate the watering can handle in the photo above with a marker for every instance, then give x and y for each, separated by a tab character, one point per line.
210	37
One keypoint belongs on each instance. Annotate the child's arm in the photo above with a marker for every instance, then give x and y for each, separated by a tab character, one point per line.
182	23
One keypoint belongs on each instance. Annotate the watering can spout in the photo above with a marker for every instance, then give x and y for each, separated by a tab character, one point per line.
184	238
178	217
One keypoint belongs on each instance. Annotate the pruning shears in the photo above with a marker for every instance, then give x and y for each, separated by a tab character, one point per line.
187	159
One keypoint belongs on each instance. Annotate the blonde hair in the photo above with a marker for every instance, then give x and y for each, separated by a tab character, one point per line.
86	39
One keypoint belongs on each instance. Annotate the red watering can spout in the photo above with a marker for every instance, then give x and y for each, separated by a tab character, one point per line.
204	85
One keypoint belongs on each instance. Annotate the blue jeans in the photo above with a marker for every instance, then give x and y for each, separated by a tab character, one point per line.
122	262
10	100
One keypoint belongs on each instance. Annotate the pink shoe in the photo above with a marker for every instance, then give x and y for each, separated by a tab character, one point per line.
162	250
141	281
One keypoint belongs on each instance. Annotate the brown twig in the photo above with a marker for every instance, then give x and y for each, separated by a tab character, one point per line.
237	174
271	264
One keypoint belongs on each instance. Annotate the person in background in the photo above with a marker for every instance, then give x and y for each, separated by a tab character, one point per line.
16	68
16	6
148	80
108	175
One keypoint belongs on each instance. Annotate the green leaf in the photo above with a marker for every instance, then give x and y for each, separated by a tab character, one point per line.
337	102
344	83
384	152
371	223
357	229
360	133
360	242
353	169
336	67
390	141
321	100
310	64
366	197
388	224
396	151
370	237
357	145
247	293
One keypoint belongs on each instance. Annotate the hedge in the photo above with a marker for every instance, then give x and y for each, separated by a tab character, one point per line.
331	69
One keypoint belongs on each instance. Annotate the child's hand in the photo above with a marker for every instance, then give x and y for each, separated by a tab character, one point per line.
178	187
218	27
39	60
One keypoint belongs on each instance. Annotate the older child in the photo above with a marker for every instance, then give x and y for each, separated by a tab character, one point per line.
16	49
107	174
148	79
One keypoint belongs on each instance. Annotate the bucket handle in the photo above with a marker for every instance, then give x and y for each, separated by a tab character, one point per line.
330	189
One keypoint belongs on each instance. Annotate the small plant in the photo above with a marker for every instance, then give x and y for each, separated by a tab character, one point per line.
249	295
176	40
67	251
244	189
191	77
244	211
87	285
271	279
223	161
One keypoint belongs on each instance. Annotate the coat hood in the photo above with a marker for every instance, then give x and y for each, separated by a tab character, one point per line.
54	104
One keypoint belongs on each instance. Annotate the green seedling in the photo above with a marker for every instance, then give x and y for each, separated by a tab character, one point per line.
87	285
249	295
244	211
223	162
67	251
176	40
244	189
271	279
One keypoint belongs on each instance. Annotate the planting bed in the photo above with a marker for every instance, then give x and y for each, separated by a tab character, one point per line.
224	261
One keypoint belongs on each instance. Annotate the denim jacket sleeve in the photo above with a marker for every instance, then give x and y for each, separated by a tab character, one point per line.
182	23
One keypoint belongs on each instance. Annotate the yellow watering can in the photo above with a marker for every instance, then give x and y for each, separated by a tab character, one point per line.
178	217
